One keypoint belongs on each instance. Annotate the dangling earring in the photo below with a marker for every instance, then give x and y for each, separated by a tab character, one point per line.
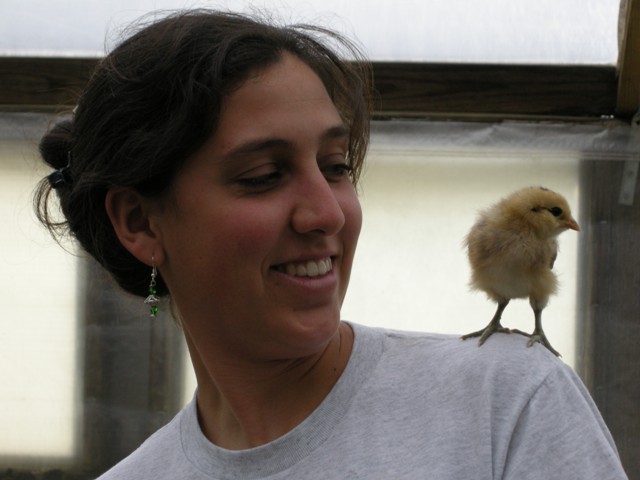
152	300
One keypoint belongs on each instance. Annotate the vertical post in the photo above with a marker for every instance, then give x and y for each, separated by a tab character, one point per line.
609	332
132	372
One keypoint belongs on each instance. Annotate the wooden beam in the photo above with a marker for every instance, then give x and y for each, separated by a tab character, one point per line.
404	89
42	84
628	97
495	90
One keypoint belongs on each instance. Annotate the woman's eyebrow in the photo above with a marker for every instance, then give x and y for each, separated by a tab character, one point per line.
265	144
256	146
337	131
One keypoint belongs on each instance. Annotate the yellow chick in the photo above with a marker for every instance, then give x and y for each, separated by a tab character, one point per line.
512	248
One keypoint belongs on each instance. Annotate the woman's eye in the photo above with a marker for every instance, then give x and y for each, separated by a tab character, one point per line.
260	181
337	170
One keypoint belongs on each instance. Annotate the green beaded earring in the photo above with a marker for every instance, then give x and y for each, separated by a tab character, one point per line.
152	300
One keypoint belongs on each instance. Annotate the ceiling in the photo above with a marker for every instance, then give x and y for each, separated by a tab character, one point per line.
469	31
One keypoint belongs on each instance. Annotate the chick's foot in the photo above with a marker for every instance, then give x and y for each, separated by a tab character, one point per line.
520	332
485	333
540	337
493	327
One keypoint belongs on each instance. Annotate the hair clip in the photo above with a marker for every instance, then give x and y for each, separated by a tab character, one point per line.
61	176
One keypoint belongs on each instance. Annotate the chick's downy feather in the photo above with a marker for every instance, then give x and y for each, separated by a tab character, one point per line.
512	248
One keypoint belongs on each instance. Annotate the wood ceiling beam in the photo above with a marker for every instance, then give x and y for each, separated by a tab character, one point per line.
414	89
42	84
404	89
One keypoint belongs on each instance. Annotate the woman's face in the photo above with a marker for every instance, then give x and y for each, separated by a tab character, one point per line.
261	226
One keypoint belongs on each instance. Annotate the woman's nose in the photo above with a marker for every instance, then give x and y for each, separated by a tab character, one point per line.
317	207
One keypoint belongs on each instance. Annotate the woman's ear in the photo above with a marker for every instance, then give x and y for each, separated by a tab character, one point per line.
129	215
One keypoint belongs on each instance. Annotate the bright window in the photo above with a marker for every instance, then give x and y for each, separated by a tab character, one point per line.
39	359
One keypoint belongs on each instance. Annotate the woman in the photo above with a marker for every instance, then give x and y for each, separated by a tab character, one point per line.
214	158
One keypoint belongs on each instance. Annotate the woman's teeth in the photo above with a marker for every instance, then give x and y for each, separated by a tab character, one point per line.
307	269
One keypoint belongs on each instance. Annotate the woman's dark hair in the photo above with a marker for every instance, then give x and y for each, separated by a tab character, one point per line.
154	101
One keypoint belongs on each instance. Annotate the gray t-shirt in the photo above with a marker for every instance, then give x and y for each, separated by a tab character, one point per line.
414	406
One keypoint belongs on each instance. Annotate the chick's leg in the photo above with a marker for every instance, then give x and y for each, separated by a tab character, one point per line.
493	327
538	335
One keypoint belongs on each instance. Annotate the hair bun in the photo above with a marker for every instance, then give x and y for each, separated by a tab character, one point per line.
56	144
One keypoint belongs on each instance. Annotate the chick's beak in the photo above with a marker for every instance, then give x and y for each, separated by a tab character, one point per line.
571	224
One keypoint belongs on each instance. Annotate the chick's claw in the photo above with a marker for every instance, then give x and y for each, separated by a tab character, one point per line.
486	332
540	337
520	332
493	327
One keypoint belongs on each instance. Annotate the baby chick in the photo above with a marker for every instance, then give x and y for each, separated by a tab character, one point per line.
512	248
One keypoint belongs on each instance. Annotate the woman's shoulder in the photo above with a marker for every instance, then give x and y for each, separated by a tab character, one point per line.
505	361
158	455
498	346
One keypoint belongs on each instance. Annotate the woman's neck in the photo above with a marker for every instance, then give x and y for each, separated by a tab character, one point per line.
246	405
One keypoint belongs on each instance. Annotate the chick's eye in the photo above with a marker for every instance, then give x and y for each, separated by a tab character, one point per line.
555	211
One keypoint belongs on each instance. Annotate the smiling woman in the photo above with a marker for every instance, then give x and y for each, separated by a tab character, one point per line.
268	189
214	158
